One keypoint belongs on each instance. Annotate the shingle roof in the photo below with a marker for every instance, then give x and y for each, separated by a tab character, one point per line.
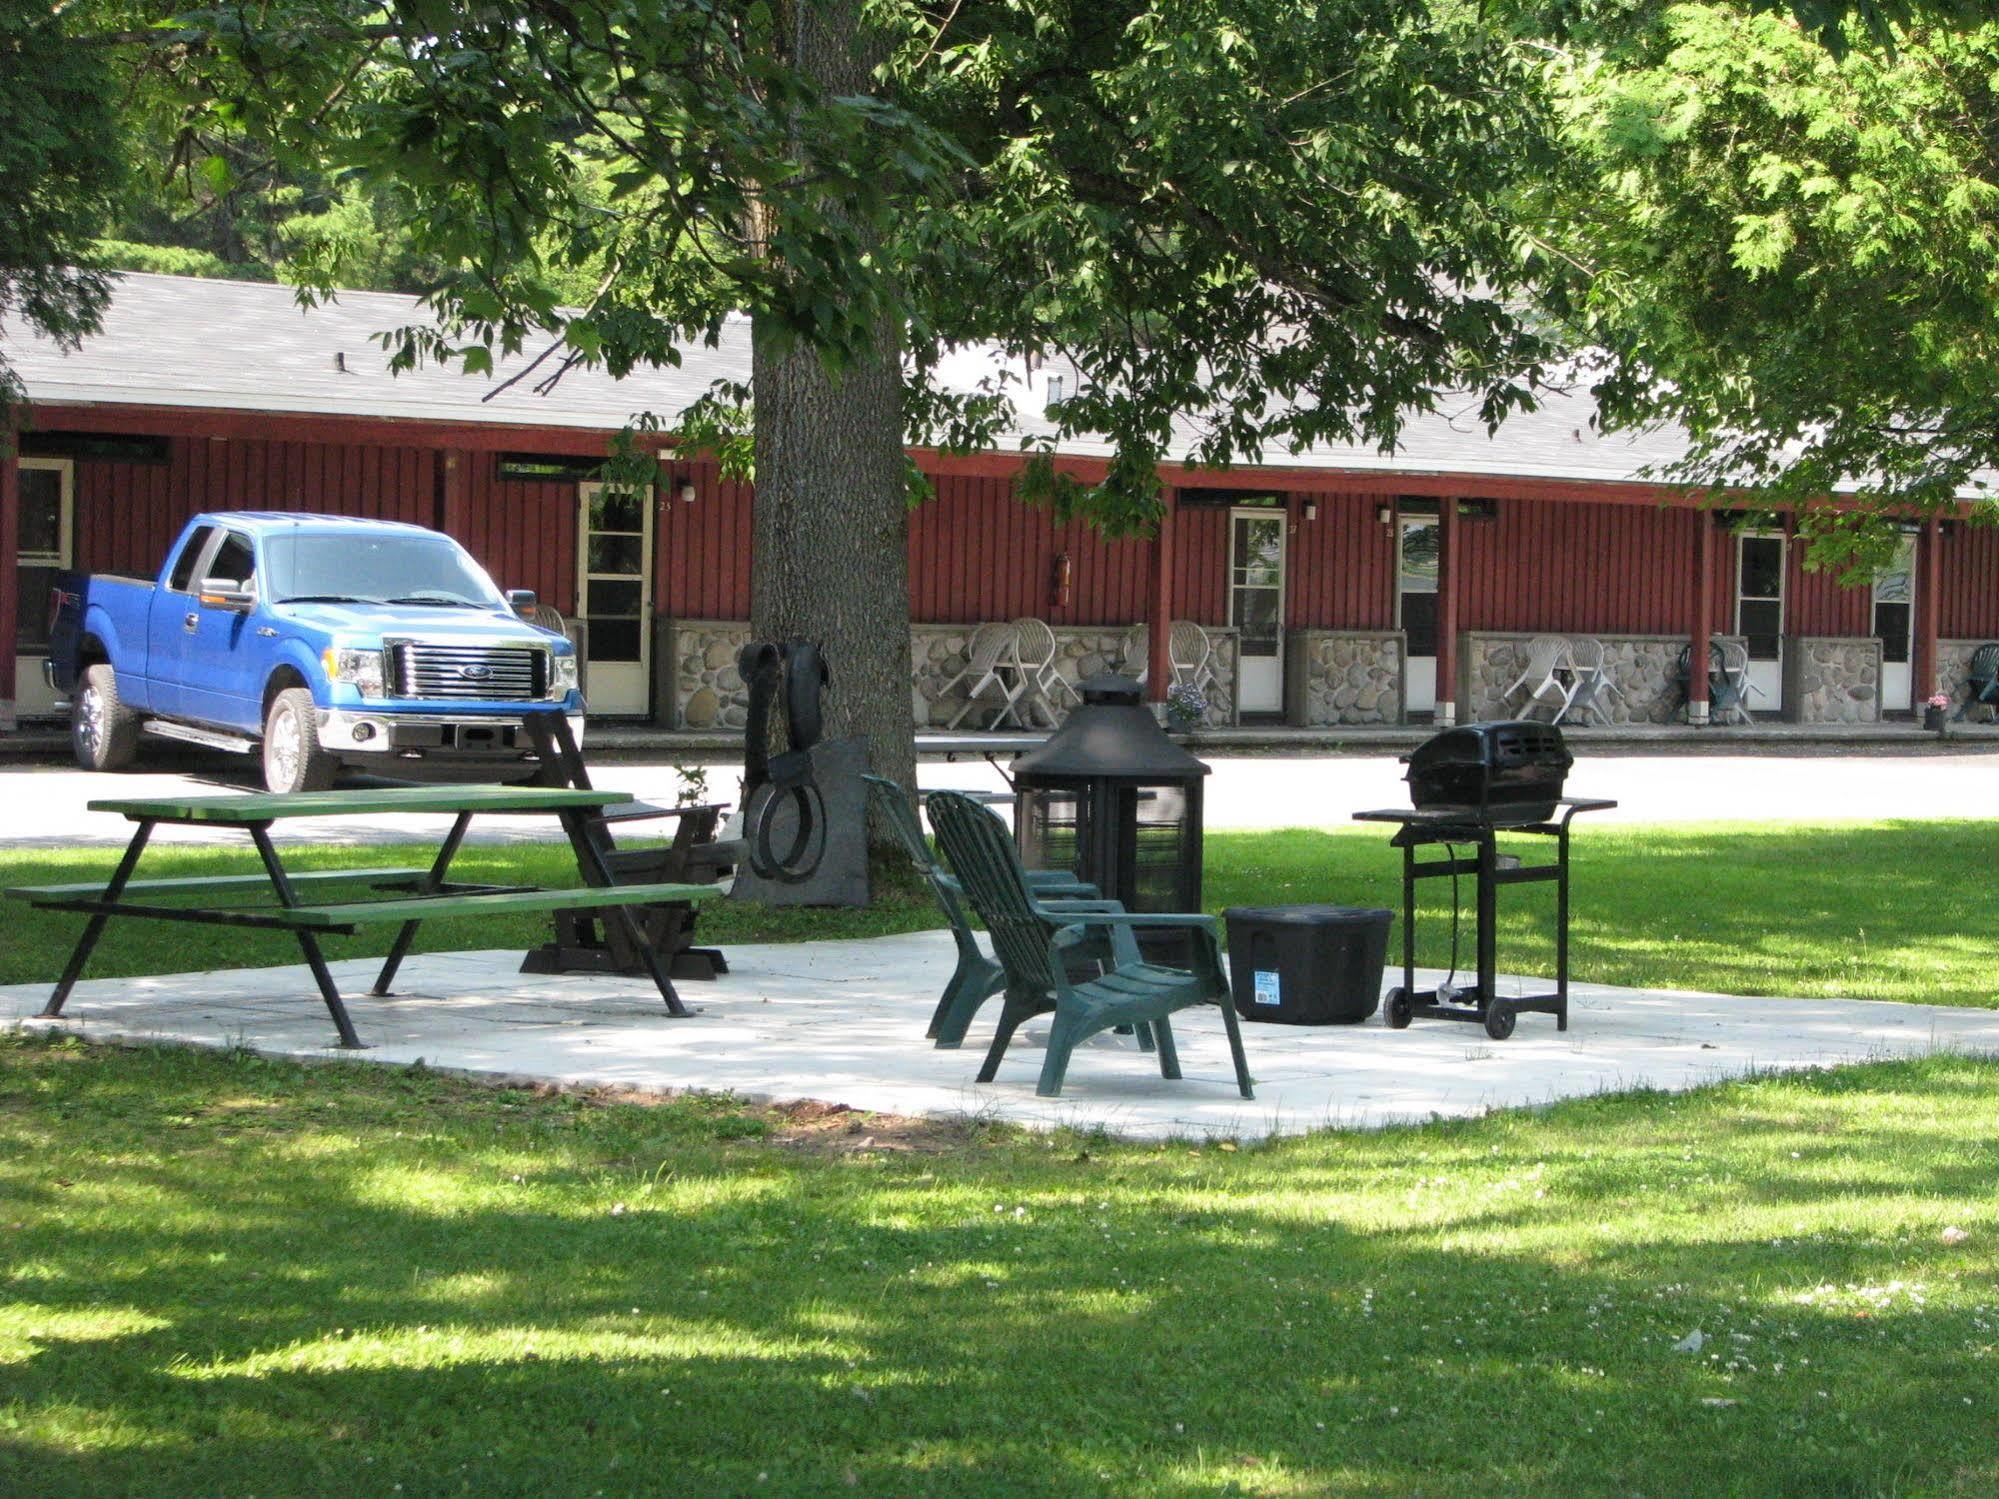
248	346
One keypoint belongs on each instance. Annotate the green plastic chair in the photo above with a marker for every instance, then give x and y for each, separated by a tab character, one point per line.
1031	938
977	977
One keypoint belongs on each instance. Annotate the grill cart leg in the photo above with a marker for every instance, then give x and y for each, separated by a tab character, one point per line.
1488	921
1562	928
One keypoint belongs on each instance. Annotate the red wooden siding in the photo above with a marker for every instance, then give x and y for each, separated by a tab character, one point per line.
1341	566
127	514
978	552
701	550
1818	604
1968	597
522	531
1201	564
1536	565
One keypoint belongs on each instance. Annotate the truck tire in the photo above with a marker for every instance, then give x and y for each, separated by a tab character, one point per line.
293	759
103	732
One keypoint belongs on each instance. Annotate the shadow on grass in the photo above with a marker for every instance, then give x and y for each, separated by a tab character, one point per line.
232	1276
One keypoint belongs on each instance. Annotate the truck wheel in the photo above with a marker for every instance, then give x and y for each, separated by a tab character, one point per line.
103	732
293	759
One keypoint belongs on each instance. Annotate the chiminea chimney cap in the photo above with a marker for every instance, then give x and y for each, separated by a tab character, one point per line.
1111	687
1112	736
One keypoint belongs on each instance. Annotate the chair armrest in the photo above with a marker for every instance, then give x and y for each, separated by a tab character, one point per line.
1115	917
1124	941
1050	881
1067	907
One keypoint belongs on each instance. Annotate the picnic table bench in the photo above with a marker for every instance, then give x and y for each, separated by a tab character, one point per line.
406	897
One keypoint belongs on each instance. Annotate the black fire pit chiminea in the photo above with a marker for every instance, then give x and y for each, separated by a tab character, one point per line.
1110	798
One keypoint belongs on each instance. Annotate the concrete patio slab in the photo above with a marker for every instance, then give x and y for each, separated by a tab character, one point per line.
842	1022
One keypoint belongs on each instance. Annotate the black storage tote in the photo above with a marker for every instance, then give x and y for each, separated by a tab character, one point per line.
1307	965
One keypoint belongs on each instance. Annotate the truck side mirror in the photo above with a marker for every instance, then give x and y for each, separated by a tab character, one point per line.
226	593
521	601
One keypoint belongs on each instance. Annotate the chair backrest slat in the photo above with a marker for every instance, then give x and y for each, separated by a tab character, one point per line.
1545	653
1187	645
989	643
1034	643
981	854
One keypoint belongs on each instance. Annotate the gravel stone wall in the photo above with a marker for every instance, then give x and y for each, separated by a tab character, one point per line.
1081	652
1953	666
1343	677
709	693
1644	670
1829	679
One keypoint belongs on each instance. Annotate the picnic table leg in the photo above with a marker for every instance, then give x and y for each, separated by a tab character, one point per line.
94	928
590	860
308	944
432	883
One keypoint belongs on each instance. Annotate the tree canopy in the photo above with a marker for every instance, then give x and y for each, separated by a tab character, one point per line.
62	160
1795	256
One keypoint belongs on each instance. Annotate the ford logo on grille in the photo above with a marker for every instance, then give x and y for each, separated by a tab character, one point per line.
476	673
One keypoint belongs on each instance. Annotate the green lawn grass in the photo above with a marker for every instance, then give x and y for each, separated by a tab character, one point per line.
1892	910
221	1275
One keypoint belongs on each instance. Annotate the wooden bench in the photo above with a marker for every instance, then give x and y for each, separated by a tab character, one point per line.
418	895
200	884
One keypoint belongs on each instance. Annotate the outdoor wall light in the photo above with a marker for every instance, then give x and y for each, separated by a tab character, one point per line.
687	491
1311	510
1385	514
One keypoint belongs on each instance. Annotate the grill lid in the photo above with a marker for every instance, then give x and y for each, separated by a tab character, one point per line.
1113	735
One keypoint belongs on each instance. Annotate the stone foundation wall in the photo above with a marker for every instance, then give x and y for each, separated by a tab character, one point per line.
700	688
1343	677
938	654
1644	670
1953	666
1830	679
707	690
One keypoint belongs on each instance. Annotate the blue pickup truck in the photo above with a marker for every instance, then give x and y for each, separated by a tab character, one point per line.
322	641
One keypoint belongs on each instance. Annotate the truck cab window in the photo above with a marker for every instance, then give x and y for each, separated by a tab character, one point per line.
235	562
182	578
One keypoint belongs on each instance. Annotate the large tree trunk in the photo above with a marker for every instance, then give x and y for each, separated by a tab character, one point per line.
830	538
831	525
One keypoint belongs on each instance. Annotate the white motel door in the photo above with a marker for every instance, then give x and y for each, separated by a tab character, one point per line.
1759	615
614	594
1894	622
1256	607
1419	549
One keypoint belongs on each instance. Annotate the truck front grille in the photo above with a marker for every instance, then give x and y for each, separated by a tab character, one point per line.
503	673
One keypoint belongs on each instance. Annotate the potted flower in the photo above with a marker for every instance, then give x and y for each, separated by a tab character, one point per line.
1186	706
1935	706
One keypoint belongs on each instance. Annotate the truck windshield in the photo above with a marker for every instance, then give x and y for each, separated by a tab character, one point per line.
319	567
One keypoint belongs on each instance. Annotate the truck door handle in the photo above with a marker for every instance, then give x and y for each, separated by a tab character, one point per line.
191	621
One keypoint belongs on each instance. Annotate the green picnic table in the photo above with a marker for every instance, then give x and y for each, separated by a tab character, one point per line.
405	896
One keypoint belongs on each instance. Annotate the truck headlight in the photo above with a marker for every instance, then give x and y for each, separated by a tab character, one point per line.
561	676
361	670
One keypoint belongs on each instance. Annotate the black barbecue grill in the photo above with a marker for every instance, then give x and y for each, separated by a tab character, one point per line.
1467	785
1507	774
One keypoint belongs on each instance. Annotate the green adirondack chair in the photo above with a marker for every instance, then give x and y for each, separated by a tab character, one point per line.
977	977
1031	936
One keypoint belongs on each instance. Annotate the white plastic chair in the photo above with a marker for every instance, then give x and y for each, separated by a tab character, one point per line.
1034	655
1728	660
1190	655
1133	658
990	655
1549	678
1591	683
